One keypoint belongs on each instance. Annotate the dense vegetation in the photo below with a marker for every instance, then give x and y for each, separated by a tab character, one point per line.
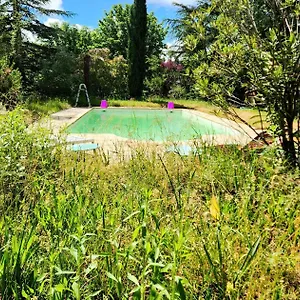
247	53
220	224
50	58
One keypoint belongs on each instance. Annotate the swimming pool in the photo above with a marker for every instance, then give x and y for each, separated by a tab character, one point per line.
147	124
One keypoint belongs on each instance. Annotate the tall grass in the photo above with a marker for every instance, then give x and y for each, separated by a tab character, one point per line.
40	108
219	224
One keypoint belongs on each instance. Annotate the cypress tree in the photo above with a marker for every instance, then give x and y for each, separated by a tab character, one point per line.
137	48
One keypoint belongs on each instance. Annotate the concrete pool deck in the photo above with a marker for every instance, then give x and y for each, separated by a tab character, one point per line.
113	144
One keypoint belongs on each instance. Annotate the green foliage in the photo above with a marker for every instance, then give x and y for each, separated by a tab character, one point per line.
18	272
26	156
60	75
21	18
73	39
154	85
50	58
108	76
4	36
69	46
245	61
195	34
113	32
165	79
83	226
45	107
10	85
137	48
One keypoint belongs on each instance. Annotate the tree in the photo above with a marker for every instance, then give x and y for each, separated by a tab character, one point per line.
21	19
4	37
59	74
192	46
137	48
113	32
184	27
74	39
108	76
72	43
167	79
266	52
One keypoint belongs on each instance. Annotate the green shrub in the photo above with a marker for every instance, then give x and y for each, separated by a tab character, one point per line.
108	76
60	75
165	79
10	85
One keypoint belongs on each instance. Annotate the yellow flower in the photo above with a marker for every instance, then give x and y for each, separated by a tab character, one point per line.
229	287
214	208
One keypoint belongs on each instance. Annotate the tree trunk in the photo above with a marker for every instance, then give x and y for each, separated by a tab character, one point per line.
288	144
86	71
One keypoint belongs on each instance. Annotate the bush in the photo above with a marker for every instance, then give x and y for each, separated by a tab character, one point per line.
108	77
165	79
10	85
61	75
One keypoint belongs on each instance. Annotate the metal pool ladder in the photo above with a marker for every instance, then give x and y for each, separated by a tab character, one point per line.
82	87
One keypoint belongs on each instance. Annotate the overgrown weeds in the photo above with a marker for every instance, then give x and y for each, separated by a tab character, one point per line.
220	224
41	108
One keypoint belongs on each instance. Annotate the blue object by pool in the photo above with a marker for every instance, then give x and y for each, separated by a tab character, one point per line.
83	147
182	149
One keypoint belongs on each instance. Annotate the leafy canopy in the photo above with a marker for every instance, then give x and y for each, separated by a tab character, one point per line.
22	26
113	32
260	54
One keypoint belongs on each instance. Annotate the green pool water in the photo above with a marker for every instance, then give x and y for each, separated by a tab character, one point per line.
146	124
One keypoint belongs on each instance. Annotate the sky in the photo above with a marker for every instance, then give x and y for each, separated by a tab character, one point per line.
89	12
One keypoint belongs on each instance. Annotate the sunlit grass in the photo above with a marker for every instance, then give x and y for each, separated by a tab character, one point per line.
251	116
218	224
46	107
